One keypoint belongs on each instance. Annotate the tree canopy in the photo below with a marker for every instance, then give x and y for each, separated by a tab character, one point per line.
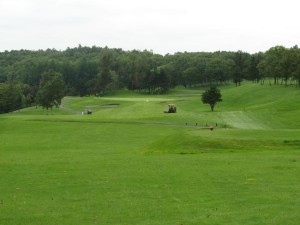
51	90
211	97
98	71
11	97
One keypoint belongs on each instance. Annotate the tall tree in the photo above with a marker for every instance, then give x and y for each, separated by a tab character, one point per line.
211	97
240	66
217	70
105	76
10	97
295	51
272	63
254	73
51	90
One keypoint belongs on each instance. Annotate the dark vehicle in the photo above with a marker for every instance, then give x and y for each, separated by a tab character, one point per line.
172	109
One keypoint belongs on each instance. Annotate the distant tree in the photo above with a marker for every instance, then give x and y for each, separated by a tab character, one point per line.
10	97
217	70
97	71
105	74
211	97
190	76
295	51
28	95
157	81
254	73
51	90
241	60
273	63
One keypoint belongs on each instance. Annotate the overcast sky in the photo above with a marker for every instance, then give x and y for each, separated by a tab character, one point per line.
164	26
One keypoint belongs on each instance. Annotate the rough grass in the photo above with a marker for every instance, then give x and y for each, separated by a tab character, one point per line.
133	164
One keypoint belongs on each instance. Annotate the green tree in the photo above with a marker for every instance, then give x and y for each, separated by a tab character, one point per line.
105	74
240	66
254	73
211	97
295	51
273	63
51	90
10	97
217	70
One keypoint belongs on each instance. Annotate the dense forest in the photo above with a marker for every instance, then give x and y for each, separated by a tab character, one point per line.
98	71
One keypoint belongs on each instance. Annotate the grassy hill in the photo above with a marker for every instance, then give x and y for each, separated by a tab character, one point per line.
130	163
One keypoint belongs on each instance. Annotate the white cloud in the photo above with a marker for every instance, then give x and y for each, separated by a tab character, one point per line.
161	25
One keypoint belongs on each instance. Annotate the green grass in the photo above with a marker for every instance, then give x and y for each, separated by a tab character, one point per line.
130	163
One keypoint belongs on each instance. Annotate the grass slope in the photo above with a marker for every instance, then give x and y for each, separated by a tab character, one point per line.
129	163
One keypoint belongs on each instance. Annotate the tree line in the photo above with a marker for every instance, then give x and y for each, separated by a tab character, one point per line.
98	71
